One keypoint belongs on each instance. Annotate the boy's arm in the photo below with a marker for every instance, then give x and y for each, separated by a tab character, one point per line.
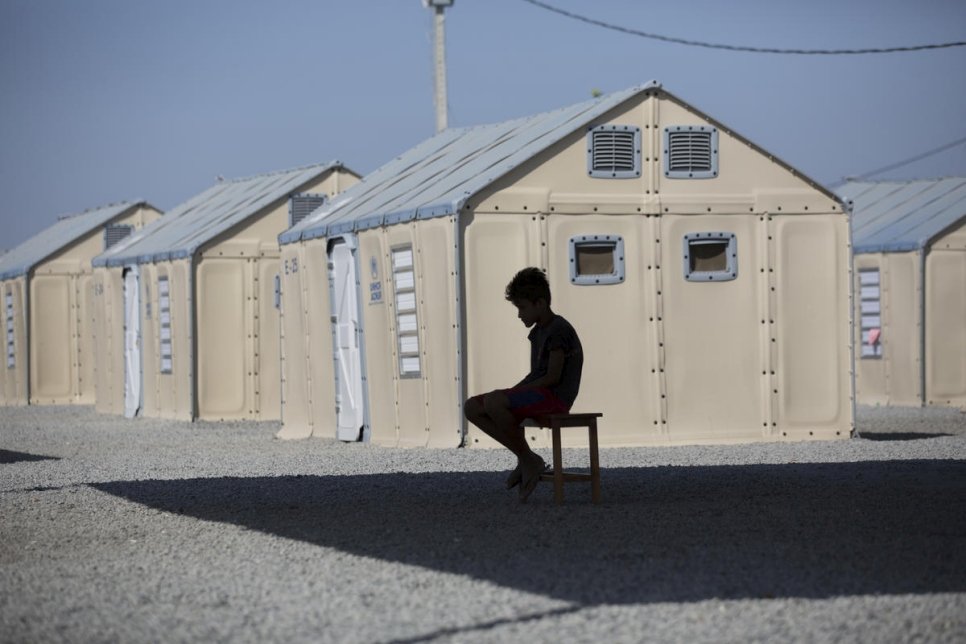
555	365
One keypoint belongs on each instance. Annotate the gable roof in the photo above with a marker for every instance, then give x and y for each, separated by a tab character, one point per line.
900	216
437	177
185	228
21	259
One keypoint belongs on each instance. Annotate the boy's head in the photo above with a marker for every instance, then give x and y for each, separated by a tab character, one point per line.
529	291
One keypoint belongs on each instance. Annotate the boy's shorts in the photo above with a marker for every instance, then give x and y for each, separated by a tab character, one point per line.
530	402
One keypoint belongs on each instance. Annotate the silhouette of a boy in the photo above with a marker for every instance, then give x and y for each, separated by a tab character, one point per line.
556	362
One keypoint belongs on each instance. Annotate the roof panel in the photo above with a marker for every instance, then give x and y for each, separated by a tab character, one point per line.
437	176
894	216
21	259
184	229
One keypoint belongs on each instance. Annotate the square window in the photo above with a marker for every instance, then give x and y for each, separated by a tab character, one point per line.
710	257
596	259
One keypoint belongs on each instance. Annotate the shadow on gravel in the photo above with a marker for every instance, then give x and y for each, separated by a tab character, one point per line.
662	534
898	436
9	456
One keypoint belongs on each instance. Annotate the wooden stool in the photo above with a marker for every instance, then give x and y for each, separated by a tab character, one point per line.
559	477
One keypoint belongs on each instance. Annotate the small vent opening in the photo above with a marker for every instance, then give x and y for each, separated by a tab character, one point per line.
303	205
690	152
614	152
115	233
710	257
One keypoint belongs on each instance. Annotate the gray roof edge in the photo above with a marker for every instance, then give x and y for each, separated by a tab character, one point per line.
126	207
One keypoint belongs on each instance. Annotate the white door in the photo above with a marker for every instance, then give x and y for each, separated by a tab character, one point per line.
132	344
349	403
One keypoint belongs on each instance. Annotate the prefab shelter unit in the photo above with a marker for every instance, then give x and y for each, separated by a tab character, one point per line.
188	313
46	290
708	280
910	285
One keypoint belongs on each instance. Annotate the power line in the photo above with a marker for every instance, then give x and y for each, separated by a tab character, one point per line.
756	50
913	159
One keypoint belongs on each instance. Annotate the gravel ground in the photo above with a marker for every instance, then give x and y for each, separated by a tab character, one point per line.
149	530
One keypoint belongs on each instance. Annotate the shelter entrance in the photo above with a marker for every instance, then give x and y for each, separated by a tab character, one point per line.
346	339
132	343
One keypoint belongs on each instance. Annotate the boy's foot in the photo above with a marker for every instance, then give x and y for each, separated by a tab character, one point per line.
531	476
515	477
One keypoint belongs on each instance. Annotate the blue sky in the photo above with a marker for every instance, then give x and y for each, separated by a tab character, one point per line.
107	100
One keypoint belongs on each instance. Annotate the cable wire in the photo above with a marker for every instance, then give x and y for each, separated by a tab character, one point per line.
904	162
755	50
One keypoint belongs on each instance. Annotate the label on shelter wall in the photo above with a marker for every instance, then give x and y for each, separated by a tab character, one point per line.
375	284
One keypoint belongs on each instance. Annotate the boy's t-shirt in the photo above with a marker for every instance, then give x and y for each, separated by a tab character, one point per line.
558	334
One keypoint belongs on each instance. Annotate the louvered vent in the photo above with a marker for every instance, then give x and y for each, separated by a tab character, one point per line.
115	233
690	152
614	152
301	206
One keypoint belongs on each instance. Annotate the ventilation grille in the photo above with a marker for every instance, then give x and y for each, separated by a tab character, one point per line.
690	152
614	152
115	233
301	206
164	317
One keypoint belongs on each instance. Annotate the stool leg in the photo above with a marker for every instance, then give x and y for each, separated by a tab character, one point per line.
594	461
557	465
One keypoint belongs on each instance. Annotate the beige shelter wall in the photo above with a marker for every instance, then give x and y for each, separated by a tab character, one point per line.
811	307
14	380
294	347
239	354
378	323
895	377
715	354
151	377
946	321
314	275
716	350
108	315
420	411
619	326
52	337
166	395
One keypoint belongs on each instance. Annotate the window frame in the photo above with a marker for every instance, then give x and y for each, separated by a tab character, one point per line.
616	242
731	256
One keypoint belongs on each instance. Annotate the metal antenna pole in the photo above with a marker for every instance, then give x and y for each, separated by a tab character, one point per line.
439	19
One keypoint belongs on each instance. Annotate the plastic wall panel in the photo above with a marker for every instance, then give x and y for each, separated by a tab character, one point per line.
86	356
946	327
52	347
901	332
314	267
380	361
267	356
223	338
440	366
812	326
617	325
712	336
175	399
294	348
151	379
496	246
14	380
412	421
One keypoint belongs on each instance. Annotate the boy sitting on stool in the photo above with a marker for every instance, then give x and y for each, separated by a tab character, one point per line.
556	361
